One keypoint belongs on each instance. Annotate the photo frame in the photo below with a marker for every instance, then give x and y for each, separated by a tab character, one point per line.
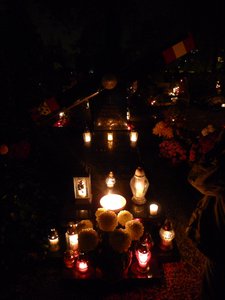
82	189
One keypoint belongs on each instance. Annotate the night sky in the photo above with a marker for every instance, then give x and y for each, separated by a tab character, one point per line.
104	32
40	37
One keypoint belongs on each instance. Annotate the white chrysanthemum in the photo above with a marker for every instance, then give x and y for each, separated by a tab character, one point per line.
87	240
107	221
135	228
124	216
99	211
83	224
120	240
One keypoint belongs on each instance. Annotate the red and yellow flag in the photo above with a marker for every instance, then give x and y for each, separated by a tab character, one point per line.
45	108
179	49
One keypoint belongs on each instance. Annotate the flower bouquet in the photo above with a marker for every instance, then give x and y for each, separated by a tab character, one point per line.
204	144
173	150
108	240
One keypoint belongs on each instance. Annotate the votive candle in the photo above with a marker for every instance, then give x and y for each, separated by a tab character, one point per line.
153	209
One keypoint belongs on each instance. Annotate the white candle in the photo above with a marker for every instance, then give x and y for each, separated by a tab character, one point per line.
73	241
82	266
110	136
153	209
139	188
54	243
53	239
113	202
87	137
133	136
143	259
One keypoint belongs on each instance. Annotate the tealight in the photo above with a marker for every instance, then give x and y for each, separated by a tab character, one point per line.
113	202
153	208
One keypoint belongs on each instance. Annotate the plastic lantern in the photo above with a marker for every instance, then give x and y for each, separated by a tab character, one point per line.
167	235
133	136
82	264
139	185
143	255
69	258
110	136
87	136
72	237
53	239
110	180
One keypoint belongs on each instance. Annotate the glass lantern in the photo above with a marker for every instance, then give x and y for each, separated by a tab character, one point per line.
53	239
133	136
82	263
110	180
69	258
72	237
143	255
110	136
167	235
87	136
139	185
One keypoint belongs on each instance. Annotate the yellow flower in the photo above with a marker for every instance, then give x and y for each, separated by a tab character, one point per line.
135	228
120	240
107	221
99	211
162	129
124	216
84	224
87	240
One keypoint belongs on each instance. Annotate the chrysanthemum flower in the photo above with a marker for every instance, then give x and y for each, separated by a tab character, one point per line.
107	221
83	224
87	240
120	240
124	216
135	228
99	211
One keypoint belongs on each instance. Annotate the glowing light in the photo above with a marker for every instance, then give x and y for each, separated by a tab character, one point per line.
113	202
153	208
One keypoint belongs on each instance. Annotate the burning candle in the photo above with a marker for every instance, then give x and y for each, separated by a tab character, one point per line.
167	234
153	209
73	241
82	263
53	239
143	259
110	180
143	255
133	136
110	136
114	202
87	136
72	237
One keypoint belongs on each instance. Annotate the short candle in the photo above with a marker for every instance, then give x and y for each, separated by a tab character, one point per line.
113	202
82	266
110	136
153	209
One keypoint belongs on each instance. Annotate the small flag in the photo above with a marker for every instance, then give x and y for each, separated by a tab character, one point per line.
45	108
179	49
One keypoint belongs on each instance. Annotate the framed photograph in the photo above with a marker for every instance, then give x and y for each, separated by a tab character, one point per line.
82	189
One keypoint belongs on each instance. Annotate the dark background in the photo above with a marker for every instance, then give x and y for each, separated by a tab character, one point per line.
45	44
